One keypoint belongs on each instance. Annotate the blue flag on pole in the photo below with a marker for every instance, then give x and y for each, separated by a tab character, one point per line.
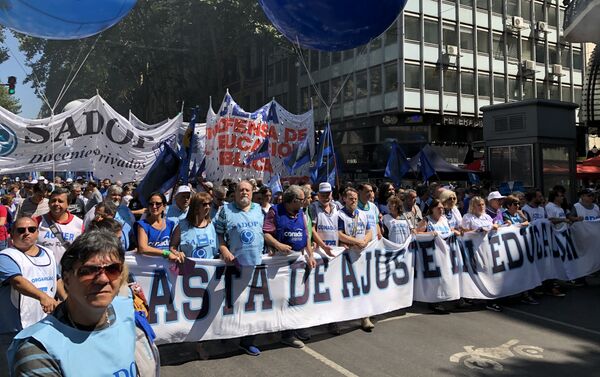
325	166
162	174
185	151
427	170
261	152
275	184
397	164
300	156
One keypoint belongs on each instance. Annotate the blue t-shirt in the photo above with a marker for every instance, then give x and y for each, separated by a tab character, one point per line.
158	238
198	242
175	214
243	232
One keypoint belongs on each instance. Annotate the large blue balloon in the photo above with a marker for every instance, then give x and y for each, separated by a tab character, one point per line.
62	19
332	25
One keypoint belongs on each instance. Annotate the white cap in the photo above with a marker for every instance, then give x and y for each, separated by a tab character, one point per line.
78	178
324	187
183	189
69	180
17	179
34	181
45	181
41	177
208	184
495	195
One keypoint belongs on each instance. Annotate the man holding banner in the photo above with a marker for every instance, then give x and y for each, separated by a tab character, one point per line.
286	230
241	243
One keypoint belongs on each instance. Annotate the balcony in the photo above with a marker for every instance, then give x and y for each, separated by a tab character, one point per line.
581	21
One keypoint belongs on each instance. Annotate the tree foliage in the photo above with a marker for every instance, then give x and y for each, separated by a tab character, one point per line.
163	53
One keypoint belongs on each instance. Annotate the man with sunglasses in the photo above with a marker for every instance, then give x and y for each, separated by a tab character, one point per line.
28	283
93	332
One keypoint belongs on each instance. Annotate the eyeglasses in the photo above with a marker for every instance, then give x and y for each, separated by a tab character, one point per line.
29	229
112	271
155	204
205	203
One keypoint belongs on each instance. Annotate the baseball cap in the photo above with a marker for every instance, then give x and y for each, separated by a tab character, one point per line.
69	180
587	191
34	181
183	189
495	195
324	187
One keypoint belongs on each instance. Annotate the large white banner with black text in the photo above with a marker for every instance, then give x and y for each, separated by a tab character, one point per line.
89	137
208	300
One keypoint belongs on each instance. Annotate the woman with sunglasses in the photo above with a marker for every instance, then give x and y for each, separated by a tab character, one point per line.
435	222
513	214
195	236
92	333
154	232
451	211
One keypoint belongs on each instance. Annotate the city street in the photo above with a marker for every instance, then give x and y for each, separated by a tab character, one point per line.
559	337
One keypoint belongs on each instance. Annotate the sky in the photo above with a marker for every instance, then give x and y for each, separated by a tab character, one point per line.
30	103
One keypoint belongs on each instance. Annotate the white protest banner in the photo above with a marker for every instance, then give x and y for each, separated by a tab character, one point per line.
232	134
212	301
90	137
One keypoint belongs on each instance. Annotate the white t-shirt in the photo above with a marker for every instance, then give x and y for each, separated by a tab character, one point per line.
398	229
474	222
534	213
587	214
555	211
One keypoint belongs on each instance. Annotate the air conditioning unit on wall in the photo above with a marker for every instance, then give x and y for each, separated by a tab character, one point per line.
452	50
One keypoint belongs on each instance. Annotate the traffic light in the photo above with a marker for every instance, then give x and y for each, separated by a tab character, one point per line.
12	82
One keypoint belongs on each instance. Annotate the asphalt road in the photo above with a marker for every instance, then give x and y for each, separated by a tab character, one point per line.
559	337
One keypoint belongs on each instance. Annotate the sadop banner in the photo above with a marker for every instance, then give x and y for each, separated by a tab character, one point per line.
90	137
209	300
233	134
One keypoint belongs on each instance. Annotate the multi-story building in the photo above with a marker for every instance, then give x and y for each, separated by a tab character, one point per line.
425	79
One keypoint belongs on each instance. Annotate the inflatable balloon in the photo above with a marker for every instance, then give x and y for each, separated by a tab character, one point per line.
73	105
62	19
332	25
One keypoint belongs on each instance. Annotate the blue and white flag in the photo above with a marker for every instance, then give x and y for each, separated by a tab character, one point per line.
185	149
397	165
325	166
261	152
162	174
299	157
425	166
275	184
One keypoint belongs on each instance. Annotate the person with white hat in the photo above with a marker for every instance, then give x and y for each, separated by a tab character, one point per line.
181	201
494	207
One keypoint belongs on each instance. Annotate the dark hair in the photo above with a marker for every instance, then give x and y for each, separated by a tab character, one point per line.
196	201
510	200
109	207
530	195
108	224
421	190
349	189
383	192
60	191
434	204
159	194
90	244
553	194
40	187
361	186
263	190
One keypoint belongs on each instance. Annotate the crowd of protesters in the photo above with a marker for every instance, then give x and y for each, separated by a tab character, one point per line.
50	231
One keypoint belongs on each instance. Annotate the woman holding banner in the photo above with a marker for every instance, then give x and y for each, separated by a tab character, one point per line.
513	214
435	222
195	236
154	232
477	219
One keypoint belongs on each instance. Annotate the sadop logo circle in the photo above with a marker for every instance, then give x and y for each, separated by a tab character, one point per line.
8	140
247	237
199	252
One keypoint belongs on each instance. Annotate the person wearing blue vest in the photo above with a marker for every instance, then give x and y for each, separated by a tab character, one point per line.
178	210
93	332
285	231
241	243
195	236
154	232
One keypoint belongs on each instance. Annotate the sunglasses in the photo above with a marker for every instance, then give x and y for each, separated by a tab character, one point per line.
112	271
155	204
29	229
205	203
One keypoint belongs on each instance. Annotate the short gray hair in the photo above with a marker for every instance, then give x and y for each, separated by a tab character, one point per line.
114	189
291	193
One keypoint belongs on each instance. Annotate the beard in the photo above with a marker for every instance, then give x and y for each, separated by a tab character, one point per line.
245	202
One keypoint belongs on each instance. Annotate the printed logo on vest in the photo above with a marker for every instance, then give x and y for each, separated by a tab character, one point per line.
247	237
199	252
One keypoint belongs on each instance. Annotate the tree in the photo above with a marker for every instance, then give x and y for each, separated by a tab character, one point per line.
9	102
164	52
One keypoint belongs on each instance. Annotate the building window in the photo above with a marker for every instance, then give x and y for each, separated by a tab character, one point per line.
467	3
512	7
526	52
483	45
512	163
336	85
552	16
566	93
466	39
412	76
499	88
314	60
336	57
451	81
304	99
528	89
375	43
482	4
324	87
467	83
577	60
432	79
483	82
577	95
540	53
555	91
391	34
347	54
449	31
498	46
497	7
430	32
349	90
514	89
512	46
541	90
538	8
565	56
361	84
375	80
390	72
412	28
324	60
526	9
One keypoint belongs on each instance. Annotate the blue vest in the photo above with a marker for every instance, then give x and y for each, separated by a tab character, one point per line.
107	352
158	238
198	242
290	231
